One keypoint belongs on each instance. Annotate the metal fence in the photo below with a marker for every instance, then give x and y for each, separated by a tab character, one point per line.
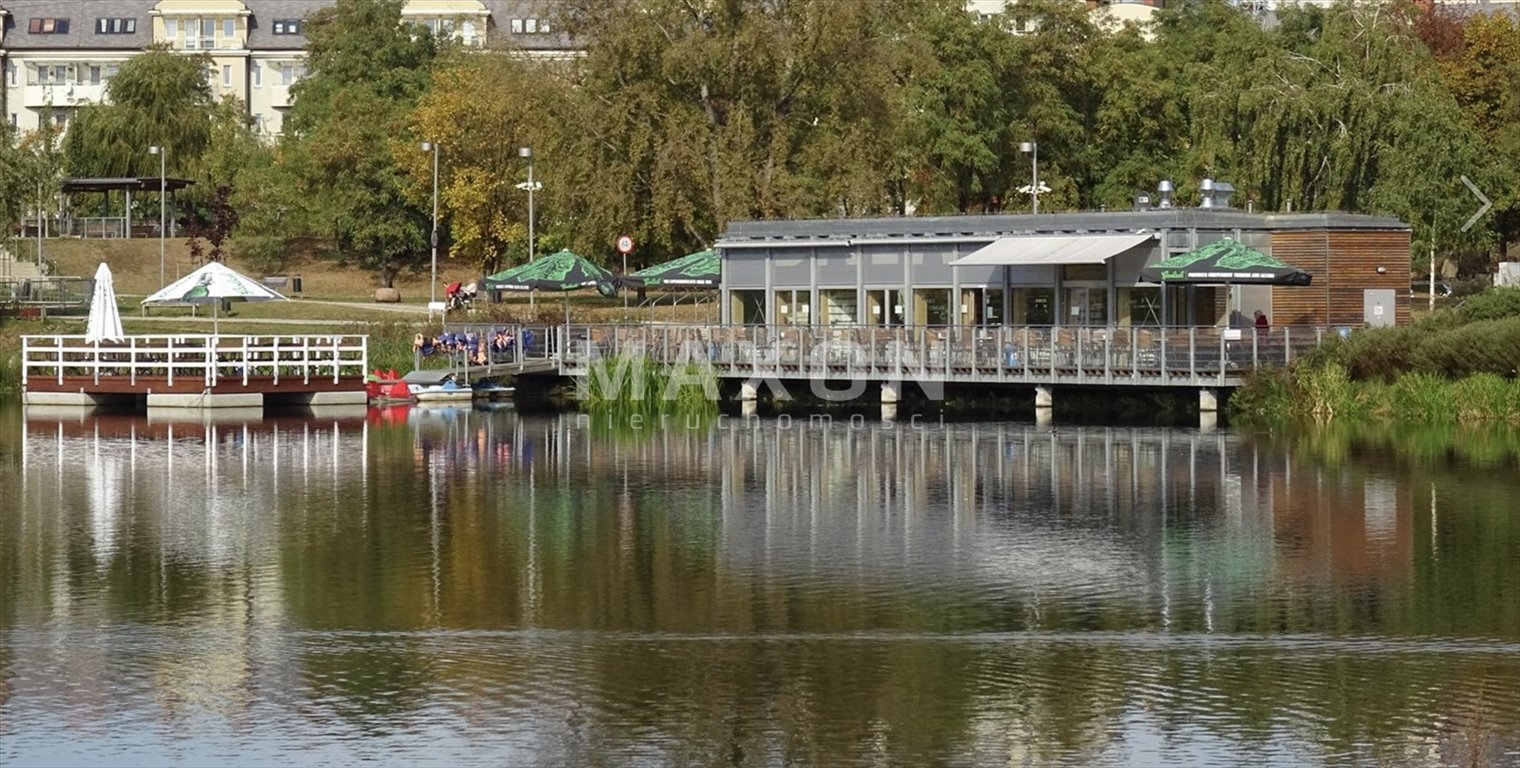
1190	356
51	293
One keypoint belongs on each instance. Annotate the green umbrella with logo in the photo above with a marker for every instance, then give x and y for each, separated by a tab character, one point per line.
702	269
564	271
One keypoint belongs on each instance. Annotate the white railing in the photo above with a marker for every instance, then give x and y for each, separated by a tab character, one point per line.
1097	355
207	358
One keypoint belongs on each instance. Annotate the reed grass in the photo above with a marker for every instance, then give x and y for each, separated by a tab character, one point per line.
1327	393
637	384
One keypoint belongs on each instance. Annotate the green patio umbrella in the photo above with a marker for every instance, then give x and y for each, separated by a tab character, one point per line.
702	269
1226	262
564	271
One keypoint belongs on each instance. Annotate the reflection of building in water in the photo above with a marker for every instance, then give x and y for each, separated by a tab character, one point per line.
1182	524
184	522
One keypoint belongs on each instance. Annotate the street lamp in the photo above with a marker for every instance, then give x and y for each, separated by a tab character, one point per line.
531	186
1033	149
41	204
163	186
430	146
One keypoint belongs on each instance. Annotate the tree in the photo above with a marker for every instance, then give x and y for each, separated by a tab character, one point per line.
479	203
339	174
685	116
158	98
1479	59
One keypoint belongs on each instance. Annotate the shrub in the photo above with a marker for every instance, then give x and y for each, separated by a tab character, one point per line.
1380	353
1490	346
1269	393
1492	304
1470	286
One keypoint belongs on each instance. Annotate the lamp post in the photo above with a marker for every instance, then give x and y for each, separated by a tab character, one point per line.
531	186
38	224
1033	149
526	153
163	186
431	146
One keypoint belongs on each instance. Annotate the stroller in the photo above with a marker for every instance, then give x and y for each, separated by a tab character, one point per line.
460	296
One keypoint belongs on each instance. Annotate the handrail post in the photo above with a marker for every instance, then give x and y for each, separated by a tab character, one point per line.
1221	358
1024	350
1052	353
1193	353
58	346
1134	354
1162	361
1108	355
1287	345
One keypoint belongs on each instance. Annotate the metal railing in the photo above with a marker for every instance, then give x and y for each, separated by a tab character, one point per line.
210	359
57	293
1182	356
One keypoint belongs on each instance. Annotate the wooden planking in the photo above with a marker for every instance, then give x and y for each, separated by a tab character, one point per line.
1302	305
1343	264
1355	257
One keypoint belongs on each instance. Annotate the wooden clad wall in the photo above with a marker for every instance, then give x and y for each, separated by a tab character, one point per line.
1344	265
1303	305
1354	260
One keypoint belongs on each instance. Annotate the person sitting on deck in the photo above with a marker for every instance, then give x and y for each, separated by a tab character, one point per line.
501	344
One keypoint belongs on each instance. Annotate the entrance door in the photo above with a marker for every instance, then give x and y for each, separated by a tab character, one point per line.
1377	307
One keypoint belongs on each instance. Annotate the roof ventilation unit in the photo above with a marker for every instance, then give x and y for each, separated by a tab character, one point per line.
1164	194
1215	194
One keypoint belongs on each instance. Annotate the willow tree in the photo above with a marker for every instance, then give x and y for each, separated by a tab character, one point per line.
158	98
690	115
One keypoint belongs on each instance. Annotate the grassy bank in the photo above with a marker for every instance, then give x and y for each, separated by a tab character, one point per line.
1453	366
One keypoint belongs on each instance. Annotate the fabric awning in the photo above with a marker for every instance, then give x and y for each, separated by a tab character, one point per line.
1050	250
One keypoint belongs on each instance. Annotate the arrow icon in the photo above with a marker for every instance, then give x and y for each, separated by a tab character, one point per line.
1487	204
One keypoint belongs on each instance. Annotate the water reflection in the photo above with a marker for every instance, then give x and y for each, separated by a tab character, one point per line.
448	585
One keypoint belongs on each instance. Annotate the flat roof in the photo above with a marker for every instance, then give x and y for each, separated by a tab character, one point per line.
911	228
137	183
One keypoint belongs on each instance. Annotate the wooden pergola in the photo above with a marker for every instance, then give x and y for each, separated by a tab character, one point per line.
114	226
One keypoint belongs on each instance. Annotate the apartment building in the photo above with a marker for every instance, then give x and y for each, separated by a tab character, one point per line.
56	55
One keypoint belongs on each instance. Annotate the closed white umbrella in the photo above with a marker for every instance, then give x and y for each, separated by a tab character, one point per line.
105	316
212	284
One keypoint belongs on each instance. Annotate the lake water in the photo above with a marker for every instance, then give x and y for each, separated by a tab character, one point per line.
481	588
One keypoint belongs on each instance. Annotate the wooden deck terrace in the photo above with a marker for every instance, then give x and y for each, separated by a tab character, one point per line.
195	370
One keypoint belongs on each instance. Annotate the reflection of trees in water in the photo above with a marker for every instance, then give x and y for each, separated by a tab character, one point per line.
756	595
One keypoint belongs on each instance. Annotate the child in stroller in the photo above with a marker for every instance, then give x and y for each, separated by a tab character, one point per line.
459	296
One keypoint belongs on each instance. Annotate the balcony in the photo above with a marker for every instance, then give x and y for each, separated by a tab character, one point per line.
62	95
